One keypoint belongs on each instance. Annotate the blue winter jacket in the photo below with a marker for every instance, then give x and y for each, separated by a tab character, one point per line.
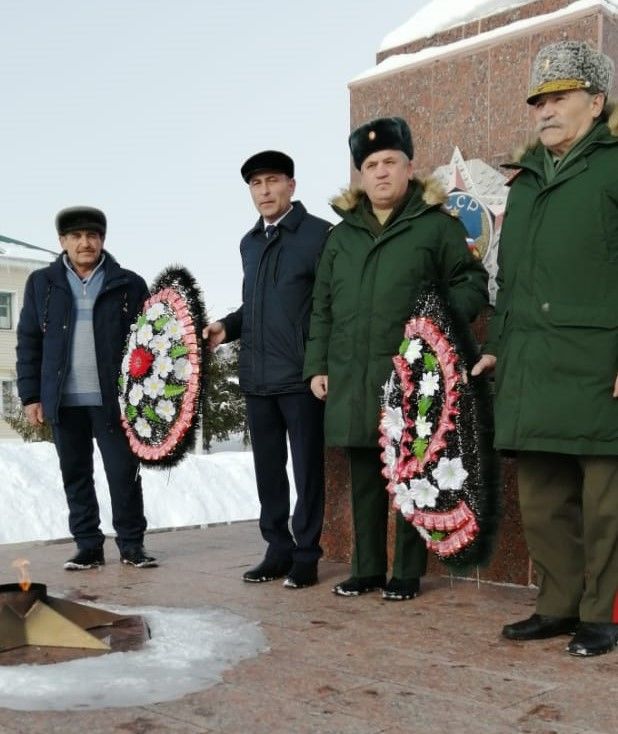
45	330
273	321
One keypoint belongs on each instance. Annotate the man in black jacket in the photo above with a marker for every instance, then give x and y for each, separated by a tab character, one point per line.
70	339
279	257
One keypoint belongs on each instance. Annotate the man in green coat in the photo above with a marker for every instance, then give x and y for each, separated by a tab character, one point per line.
554	343
395	240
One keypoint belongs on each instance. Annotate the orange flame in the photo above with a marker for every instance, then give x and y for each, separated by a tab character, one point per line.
21	564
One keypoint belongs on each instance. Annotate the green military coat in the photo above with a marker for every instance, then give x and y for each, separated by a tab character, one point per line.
555	329
365	288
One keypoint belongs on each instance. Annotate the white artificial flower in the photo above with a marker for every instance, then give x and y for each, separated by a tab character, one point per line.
183	369
136	393
142	428
414	350
392	423
125	363
123	404
403	499
166	409
423	426
155	311
390	456
162	365
174	329
388	386
430	382
153	387
450	474
144	334
159	344
423	492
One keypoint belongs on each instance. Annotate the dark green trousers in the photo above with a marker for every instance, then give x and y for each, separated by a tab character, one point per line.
569	507
370	502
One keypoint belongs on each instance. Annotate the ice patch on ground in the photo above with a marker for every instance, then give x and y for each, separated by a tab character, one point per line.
189	650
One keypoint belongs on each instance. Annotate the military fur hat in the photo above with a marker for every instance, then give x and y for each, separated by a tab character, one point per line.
385	133
267	160
75	218
560	67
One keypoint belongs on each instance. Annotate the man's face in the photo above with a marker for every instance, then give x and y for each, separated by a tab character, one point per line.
272	193
83	248
385	176
562	118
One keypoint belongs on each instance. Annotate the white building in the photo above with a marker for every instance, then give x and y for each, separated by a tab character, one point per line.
17	261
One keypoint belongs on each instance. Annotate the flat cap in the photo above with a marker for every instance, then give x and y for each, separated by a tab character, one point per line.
567	65
267	160
75	218
384	133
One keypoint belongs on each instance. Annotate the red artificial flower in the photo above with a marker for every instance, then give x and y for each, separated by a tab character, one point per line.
139	362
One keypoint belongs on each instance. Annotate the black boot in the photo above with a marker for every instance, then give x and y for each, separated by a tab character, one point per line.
594	638
302	573
356	585
268	570
401	589
86	558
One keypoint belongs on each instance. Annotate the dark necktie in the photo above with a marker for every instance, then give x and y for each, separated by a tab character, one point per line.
270	231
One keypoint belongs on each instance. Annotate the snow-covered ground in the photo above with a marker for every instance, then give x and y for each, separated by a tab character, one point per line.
202	489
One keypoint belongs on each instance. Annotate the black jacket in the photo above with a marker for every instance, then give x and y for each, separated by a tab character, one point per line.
45	331
273	321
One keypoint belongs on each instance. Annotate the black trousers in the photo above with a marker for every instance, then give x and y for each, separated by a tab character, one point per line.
73	437
301	417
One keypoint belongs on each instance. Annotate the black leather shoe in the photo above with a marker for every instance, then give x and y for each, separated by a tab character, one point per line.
540	627
302	574
401	589
85	558
356	585
139	558
268	570
594	638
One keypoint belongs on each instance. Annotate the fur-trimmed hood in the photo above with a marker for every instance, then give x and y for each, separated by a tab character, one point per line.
433	195
612	124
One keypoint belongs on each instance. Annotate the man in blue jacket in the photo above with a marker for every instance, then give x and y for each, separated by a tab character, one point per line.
70	339
279	257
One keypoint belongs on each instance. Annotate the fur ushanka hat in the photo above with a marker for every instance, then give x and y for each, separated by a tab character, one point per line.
76	218
567	65
385	133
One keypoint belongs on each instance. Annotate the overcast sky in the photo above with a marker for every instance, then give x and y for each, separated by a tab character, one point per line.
147	108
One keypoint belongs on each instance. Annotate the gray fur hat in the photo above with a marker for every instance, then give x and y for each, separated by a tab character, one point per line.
566	65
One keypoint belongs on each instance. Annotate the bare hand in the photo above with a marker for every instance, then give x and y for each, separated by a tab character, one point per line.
486	363
319	386
615	393
34	414
214	334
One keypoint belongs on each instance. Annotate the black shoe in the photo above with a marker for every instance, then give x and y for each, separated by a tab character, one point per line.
302	574
138	557
356	585
540	627
594	638
268	570
86	558
401	589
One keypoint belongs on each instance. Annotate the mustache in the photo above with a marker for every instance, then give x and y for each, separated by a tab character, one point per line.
546	126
